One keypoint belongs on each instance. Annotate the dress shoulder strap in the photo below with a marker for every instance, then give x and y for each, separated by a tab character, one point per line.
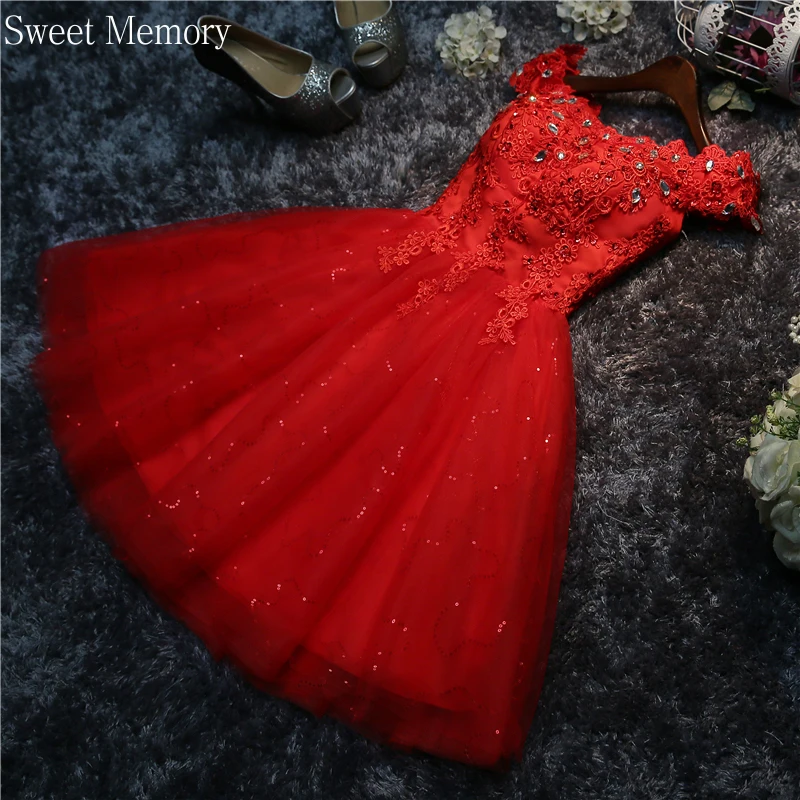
548	69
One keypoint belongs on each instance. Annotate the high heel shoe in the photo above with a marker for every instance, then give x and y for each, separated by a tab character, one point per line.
311	94
374	37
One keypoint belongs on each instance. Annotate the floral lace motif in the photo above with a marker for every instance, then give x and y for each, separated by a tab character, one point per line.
542	271
540	182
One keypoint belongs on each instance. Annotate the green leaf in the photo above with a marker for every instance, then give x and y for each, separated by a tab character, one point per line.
741	101
721	94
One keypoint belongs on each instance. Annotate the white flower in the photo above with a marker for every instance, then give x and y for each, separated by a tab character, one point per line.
773	471
595	17
774	476
470	44
773	468
787	551
785	515
785	519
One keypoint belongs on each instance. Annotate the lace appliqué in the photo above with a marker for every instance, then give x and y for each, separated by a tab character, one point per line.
445	236
543	270
560	171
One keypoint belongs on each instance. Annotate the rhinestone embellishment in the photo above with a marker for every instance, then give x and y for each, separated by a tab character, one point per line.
559	100
664	188
552	128
624	149
636	196
572	101
676	157
728	208
584	140
540	156
560	155
639	165
606	136
587	123
532	98
740	171
558	115
653	153
709	165
547	73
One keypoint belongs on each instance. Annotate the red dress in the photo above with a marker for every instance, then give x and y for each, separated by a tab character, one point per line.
339	443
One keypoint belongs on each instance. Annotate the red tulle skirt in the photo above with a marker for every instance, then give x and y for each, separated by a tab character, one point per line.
366	513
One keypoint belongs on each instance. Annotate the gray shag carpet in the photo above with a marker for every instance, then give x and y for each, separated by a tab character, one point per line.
675	668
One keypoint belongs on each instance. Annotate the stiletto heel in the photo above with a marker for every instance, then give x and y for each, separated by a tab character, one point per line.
313	95
374	38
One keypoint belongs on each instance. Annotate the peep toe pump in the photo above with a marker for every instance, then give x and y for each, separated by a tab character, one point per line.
374	37
311	94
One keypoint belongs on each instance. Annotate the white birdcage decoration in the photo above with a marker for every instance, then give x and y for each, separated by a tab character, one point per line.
754	41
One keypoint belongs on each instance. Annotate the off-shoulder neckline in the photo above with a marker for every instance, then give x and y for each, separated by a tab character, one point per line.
544	76
569	56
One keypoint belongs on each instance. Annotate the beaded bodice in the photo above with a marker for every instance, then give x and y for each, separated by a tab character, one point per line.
560	203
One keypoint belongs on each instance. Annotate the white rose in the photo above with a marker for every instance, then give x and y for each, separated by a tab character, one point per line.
785	514
773	468
764	508
787	551
773	471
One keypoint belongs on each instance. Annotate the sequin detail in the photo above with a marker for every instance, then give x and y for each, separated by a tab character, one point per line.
298	448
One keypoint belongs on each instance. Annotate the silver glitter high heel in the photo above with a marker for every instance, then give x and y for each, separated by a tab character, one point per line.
374	37
311	94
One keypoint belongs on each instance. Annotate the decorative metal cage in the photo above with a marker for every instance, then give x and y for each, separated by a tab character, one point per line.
754	41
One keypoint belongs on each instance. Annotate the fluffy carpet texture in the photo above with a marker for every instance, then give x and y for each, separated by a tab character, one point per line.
675	669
